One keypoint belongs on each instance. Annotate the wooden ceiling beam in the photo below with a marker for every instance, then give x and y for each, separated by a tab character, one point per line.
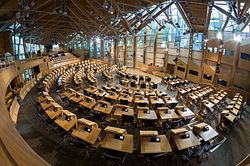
102	20
184	15
145	22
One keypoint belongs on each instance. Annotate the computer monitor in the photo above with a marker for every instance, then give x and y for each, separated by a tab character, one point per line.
119	137
54	109
168	111
205	128
184	135
68	118
88	129
155	139
124	102
125	109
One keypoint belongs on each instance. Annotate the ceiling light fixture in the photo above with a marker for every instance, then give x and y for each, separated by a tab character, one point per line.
105	4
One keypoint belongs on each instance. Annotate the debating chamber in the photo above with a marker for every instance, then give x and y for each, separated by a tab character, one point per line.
125	82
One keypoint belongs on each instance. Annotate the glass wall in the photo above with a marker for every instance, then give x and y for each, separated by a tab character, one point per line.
130	56
91	48
120	56
18	47
140	47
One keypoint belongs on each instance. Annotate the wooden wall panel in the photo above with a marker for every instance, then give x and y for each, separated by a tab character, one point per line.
209	70
12	146
192	77
225	73
171	59
197	55
241	79
182	65
5	42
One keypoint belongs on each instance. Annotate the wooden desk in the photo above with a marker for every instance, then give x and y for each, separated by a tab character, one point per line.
54	111
41	99
77	98
186	143
141	115
100	92
127	91
119	111
107	87
65	124
124	96
185	113
149	147
154	100
105	110
169	101
90	137
140	100
149	92
110	142
205	135
46	104
139	92
112	96
227	115
70	92
167	114
214	100
87	102
161	93
91	89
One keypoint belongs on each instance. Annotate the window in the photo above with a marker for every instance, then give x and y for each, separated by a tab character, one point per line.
222	82
196	73
91	48
245	56
206	76
229	53
198	41
181	69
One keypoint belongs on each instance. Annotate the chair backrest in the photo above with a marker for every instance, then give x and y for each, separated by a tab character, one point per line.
143	85
132	84
99	116
124	102
127	119
141	78
149	123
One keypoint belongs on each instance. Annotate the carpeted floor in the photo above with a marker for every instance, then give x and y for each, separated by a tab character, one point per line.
44	142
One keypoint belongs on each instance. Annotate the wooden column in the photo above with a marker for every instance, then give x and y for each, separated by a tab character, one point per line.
165	58
220	52
102	49
144	48
82	46
155	49
134	51
190	51
124	51
204	54
95	51
109	52
115	51
235	62
88	46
